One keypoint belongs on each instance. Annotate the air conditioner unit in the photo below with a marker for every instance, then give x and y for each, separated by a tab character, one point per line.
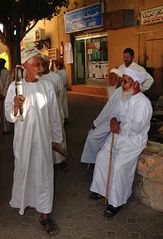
39	34
119	19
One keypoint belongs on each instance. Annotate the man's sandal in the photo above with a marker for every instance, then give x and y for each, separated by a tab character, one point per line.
49	225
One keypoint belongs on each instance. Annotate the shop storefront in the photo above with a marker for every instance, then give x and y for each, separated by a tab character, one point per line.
90	44
98	34
91	58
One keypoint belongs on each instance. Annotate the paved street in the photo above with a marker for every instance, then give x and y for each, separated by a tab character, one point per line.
76	215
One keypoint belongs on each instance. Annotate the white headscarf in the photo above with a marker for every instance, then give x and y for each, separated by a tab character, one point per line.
116	71
28	53
135	75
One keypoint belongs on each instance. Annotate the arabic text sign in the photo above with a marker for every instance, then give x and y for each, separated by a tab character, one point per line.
83	18
151	16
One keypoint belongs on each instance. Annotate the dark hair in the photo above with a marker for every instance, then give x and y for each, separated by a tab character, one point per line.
2	63
129	50
59	64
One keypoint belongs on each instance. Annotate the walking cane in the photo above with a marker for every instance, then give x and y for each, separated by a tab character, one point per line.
109	171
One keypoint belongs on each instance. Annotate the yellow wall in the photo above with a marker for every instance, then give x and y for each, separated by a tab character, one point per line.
118	40
146	40
135	37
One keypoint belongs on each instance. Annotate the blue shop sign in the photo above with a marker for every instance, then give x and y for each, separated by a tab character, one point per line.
83	18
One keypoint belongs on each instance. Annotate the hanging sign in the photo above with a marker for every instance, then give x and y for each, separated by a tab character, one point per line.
151	16
53	53
83	18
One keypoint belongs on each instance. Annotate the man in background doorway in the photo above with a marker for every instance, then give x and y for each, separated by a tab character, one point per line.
128	58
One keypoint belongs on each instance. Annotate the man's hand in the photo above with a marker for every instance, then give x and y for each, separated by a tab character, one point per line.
114	126
58	148
18	103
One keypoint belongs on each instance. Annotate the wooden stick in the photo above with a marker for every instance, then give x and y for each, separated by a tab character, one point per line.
109	171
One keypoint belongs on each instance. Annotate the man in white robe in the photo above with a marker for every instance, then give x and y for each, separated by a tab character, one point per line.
60	69
96	137
58	86
130	128
5	80
114	81
100	131
33	139
128	57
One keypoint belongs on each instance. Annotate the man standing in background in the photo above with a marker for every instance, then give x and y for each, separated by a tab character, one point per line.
128	57
5	80
60	69
58	86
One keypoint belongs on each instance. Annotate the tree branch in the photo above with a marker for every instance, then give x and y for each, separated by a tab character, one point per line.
3	38
29	28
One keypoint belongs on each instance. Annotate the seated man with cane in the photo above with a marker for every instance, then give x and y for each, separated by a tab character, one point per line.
116	161
100	130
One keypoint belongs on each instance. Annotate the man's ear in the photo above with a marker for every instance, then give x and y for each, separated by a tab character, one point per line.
136	85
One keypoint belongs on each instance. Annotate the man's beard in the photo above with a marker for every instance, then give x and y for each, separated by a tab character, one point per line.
111	89
126	94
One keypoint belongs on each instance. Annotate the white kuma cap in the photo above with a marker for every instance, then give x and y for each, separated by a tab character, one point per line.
28	53
135	75
116	71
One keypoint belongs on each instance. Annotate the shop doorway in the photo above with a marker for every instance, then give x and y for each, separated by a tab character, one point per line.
91	59
79	47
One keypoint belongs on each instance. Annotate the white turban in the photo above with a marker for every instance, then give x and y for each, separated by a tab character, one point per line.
28	53
135	75
116	71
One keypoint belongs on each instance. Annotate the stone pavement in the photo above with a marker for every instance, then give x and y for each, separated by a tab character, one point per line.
76	215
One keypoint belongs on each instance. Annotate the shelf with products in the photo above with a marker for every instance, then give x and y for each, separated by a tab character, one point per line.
98	70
